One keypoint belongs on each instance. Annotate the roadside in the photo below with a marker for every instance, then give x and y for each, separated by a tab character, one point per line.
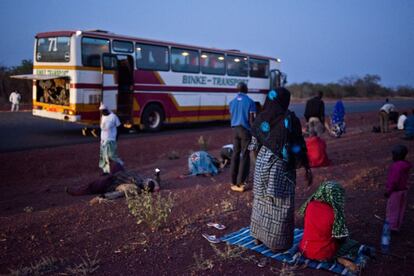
38	220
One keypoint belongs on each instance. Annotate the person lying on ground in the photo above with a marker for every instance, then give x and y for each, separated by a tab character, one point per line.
117	183
316	151
202	163
397	187
325	235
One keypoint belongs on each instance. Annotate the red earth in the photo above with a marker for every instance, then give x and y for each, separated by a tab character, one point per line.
39	220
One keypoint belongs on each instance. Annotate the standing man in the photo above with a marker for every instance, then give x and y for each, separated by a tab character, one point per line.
242	112
384	115
315	114
109	136
15	100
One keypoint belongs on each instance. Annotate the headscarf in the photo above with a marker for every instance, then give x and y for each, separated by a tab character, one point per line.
279	129
338	113
332	193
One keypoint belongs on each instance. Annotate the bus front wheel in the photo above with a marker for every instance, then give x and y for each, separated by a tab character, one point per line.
153	118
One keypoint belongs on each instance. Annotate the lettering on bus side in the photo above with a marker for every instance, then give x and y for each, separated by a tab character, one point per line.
205	80
50	72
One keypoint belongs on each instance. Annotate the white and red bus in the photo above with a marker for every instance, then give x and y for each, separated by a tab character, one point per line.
145	82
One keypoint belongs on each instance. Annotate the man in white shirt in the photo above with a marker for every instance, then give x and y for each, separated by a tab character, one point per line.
401	120
384	115
109	136
15	100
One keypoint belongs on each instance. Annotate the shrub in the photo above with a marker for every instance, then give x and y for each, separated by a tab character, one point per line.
150	209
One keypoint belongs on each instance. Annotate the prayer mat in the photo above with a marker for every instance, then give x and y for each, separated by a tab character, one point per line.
292	256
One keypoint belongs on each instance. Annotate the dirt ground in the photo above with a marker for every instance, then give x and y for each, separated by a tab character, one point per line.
39	221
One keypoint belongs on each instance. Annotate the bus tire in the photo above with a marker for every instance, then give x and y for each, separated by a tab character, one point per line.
153	118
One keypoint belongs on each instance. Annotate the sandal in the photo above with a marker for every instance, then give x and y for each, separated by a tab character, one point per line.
211	238
218	226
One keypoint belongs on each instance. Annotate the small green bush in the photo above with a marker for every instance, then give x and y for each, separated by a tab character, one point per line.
151	209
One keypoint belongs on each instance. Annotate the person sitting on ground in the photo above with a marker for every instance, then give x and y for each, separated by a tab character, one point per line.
338	120
325	235
316	151
401	120
315	114
117	183
397	187
409	127
226	153
202	163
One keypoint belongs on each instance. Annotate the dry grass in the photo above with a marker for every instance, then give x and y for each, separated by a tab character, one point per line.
87	266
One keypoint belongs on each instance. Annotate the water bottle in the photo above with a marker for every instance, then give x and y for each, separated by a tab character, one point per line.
385	238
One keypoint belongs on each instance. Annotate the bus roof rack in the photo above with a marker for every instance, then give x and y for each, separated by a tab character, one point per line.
233	50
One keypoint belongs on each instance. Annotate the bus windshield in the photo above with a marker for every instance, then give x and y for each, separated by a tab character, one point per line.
53	49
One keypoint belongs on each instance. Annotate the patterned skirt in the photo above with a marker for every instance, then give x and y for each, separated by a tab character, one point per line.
272	220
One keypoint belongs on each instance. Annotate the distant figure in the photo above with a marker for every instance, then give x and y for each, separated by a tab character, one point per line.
325	234
397	187
109	136
316	151
338	120
384	115
401	120
242	111
15	100
409	127
315	114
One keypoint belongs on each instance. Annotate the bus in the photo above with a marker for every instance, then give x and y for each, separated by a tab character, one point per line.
147	83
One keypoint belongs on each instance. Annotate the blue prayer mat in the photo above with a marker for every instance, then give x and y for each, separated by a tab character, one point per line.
242	238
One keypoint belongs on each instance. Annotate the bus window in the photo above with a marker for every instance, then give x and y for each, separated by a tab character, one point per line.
236	65
122	46
212	63
53	49
259	68
184	60
92	49
152	57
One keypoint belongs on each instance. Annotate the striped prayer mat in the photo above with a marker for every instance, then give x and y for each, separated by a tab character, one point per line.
243	239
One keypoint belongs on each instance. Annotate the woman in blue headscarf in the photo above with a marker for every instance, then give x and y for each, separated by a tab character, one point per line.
338	119
283	150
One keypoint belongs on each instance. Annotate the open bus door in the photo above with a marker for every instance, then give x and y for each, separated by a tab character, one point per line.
125	89
108	63
277	79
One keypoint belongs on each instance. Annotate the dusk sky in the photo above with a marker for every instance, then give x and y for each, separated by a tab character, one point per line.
317	41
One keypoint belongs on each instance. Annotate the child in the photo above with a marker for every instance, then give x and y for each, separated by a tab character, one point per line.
397	187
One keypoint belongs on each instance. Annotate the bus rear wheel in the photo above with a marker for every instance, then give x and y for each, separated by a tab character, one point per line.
153	118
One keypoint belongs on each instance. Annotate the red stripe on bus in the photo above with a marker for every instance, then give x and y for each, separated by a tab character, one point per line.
149	77
164	88
53	34
190	89
92	85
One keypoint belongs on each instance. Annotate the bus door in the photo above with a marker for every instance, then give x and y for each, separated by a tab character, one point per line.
277	79
125	87
108	76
